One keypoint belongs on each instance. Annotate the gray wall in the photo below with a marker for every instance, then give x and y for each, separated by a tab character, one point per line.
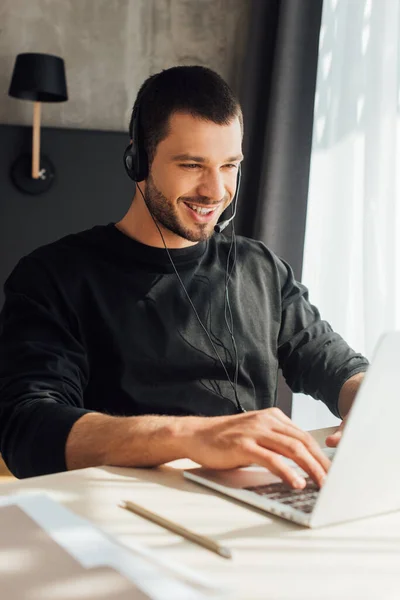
111	46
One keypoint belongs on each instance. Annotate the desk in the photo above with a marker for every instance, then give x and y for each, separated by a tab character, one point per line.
272	558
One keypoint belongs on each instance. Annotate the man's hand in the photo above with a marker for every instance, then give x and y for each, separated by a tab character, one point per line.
257	437
347	396
262	437
333	439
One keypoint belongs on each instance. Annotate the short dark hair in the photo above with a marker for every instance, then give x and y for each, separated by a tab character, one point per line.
194	90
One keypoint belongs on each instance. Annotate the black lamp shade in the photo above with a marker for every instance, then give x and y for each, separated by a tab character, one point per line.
39	77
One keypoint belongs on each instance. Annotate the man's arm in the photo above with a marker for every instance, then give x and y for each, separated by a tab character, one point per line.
43	371
348	393
145	441
226	442
346	399
314	359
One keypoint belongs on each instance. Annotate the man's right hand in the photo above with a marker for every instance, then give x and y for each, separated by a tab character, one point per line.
227	442
260	437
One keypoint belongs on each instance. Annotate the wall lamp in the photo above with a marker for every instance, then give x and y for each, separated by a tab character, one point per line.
38	78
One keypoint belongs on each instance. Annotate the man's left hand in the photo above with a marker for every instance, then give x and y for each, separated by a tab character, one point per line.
346	398
333	439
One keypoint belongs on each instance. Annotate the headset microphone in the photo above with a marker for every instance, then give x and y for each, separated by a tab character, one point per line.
219	227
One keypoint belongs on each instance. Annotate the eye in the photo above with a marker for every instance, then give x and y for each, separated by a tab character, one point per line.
190	166
232	166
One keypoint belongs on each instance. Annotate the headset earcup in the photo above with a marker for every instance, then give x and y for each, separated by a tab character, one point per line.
129	162
136	164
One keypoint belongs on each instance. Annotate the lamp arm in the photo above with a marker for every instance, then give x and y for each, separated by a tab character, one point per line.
36	140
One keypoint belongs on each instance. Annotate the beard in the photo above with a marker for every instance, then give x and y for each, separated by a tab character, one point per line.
167	215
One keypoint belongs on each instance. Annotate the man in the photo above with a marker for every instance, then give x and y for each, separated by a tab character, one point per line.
141	342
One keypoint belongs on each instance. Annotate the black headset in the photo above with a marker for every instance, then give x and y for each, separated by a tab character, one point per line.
135	156
136	164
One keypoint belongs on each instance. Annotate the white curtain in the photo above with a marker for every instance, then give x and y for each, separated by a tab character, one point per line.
352	245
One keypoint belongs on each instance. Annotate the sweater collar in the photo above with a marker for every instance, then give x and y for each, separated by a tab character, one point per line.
150	256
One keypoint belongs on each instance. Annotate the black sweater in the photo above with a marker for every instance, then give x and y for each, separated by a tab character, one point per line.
99	322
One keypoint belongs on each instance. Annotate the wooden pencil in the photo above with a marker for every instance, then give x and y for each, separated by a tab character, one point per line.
176	528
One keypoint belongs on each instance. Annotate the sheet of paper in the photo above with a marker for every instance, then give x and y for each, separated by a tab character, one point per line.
44	570
60	555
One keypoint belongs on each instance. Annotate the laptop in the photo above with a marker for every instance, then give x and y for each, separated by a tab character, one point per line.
363	479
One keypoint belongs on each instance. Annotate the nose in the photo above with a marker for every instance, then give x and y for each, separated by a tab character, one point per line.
212	185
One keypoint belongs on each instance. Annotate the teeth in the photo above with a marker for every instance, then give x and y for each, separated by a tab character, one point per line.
201	211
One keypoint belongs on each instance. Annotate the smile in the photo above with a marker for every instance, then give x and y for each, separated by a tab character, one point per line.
200	214
200	210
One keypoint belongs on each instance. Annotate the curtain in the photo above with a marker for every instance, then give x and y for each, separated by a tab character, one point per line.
352	242
277	97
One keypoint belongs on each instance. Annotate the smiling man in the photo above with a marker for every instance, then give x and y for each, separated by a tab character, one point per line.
197	185
156	338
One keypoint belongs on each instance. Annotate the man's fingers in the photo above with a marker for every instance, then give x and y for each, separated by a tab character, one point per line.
285	425
306	439
280	415
333	440
272	461
297	451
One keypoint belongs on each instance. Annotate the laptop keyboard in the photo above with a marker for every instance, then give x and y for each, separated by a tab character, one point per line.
303	500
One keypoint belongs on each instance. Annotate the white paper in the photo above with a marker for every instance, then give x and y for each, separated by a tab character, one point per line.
91	547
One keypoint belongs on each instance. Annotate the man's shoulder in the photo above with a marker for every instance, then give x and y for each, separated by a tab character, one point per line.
74	244
247	249
254	259
63	258
68	251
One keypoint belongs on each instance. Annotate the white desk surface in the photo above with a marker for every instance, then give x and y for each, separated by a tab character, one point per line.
272	559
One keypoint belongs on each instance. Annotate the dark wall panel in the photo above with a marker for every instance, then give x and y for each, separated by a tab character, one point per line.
90	188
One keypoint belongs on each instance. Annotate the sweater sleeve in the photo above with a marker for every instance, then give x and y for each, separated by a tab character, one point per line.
314	359
43	372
